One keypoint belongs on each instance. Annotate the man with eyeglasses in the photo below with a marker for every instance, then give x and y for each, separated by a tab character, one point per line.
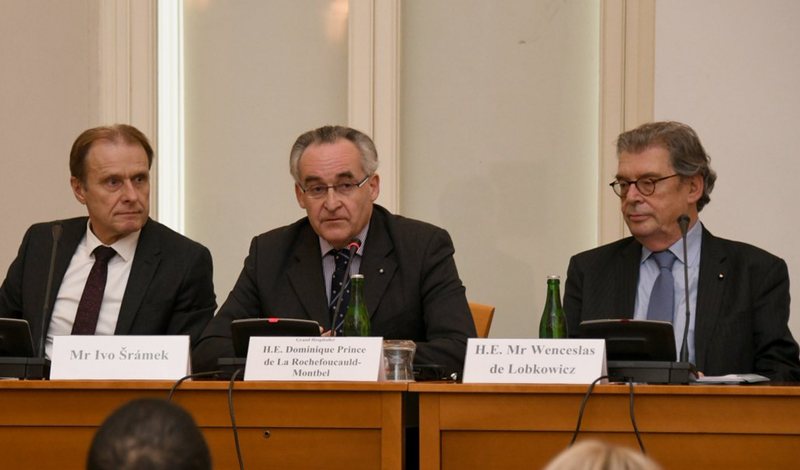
738	294
412	287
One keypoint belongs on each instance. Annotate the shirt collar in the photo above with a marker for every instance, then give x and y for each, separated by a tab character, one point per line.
326	247
125	246
694	238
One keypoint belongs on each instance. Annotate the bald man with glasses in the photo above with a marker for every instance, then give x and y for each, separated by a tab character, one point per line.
412	287
738	294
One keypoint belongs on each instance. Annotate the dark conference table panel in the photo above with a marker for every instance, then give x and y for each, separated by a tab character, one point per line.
466	426
50	424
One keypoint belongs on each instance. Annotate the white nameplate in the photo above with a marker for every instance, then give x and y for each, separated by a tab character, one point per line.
535	361
314	358
120	357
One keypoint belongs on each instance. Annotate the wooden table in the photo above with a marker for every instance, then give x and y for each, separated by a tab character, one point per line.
480	426
50	424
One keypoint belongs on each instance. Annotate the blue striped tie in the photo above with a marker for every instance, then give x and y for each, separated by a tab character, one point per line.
662	298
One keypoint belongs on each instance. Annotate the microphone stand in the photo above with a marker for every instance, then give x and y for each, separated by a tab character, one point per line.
683	222
56	230
681	372
36	367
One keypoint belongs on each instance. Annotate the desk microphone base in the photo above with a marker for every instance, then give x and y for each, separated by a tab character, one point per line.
228	365
28	368
651	372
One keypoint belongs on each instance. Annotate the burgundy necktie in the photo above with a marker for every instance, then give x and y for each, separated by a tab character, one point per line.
89	306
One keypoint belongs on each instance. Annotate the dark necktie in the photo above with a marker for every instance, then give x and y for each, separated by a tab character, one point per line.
662	298
89	306
337	284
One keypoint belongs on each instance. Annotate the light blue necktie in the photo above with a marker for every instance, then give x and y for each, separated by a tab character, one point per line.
662	298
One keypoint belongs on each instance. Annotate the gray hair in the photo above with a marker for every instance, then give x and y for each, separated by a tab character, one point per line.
687	155
329	135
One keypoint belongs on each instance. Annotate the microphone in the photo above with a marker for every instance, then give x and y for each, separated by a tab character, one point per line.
353	246
650	370
56	231
683	223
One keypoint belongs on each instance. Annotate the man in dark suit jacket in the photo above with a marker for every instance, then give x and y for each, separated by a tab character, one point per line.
163	280
739	294
412	288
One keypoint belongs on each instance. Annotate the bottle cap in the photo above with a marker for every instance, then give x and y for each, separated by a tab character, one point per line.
357	276
554	276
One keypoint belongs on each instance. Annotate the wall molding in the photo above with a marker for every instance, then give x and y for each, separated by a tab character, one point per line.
374	85
128	67
627	63
171	123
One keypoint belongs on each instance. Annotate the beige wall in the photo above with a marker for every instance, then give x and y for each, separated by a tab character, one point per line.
254	82
499	123
48	94
730	69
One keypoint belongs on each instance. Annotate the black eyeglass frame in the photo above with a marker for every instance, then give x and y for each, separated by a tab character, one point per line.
616	185
337	188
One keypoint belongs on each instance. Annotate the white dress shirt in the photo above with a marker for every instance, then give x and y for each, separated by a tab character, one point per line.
69	294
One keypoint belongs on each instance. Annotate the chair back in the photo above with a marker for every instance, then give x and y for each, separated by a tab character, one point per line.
482	316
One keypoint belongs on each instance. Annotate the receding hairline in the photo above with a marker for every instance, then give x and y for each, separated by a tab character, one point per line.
358	155
113	133
368	154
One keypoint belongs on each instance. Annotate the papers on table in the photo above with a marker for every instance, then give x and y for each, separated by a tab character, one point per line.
732	379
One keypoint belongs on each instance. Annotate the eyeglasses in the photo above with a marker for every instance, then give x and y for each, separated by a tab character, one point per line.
319	191
645	186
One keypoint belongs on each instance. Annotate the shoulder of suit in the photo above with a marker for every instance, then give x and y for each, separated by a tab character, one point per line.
400	224
737	248
46	228
169	239
609	248
288	232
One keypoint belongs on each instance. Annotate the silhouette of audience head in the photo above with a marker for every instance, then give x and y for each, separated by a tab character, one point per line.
149	434
596	455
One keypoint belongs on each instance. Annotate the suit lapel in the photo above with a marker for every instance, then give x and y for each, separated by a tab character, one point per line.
710	290
73	232
305	275
145	263
628	276
378	265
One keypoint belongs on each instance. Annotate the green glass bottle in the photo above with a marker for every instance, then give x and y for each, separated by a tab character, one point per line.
554	322
356	319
